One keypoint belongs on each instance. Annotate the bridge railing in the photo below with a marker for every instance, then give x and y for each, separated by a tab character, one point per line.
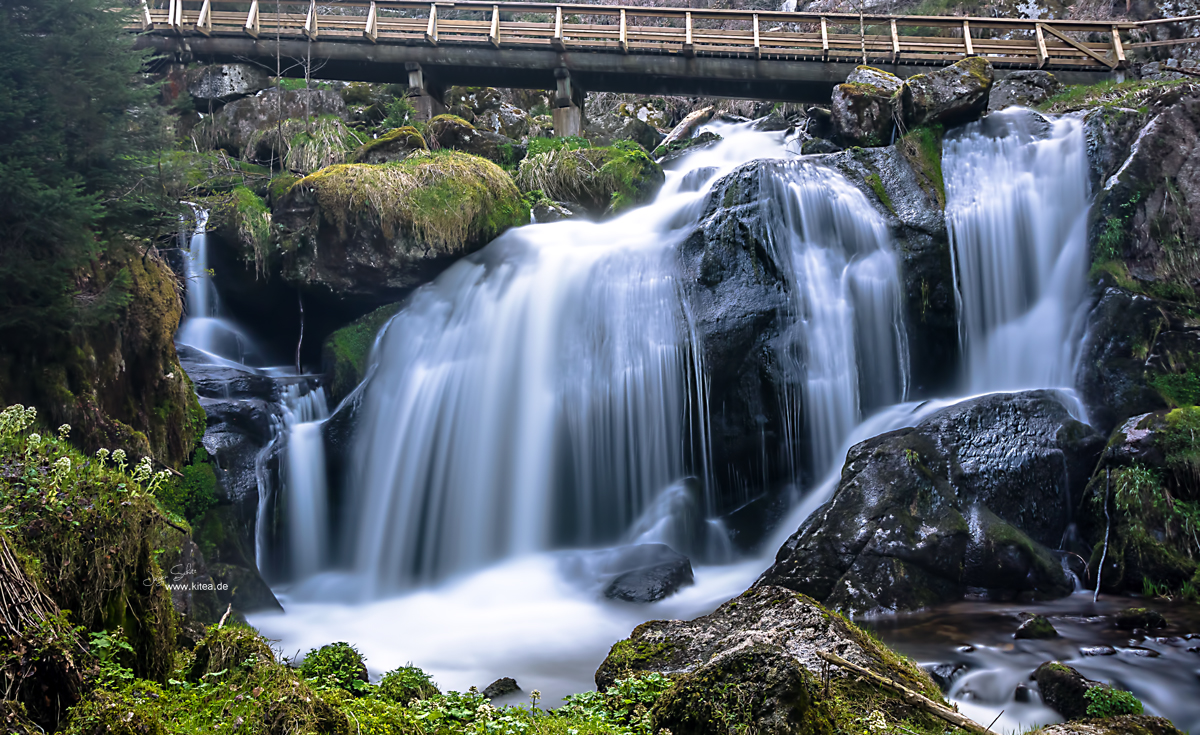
924	40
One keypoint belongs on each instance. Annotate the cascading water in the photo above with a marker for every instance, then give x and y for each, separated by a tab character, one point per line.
1016	208
306	500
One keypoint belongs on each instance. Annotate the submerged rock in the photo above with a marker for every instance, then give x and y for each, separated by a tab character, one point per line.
1140	617
648	573
373	233
754	663
1035	627
862	108
966	499
948	96
1063	689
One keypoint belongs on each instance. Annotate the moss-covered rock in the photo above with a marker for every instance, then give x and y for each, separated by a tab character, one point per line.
1036	627
948	96
393	145
753	664
600	180
345	352
1126	725
862	107
1140	617
243	128
374	232
450	131
1063	689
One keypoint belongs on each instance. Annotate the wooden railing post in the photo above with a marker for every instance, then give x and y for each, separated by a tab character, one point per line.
310	23
252	20
557	41
970	48
895	43
1042	55
757	45
824	41
371	32
204	22
431	36
688	48
494	34
623	40
147	21
1118	49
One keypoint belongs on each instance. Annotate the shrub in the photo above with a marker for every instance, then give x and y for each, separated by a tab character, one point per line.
338	665
405	684
193	494
1104	701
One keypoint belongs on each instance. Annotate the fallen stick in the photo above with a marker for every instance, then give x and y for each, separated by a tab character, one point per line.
913	698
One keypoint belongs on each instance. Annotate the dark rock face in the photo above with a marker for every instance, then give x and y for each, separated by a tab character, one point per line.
945	674
1140	618
501	687
1063	688
954	94
1025	88
966	499
654	571
221	83
448	131
861	109
608	129
395	145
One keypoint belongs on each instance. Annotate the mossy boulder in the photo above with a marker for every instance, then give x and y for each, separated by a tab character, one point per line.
233	127
1037	628
602	181
1135	618
862	109
1026	88
1125	725
393	145
969	498
753	664
1063	689
450	131
345	352
948	96
371	233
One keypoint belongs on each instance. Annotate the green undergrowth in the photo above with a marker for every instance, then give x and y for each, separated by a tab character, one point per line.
183	174
603	179
922	148
302	145
345	352
445	197
876	185
247	218
1132	94
541	145
406	137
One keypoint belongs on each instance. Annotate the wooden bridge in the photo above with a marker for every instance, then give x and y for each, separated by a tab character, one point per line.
792	56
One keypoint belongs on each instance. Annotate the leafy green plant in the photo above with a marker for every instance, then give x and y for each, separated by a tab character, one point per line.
111	650
406	684
399	112
338	665
191	495
625	706
1104	701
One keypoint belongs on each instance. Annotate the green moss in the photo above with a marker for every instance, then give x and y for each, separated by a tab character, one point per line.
922	148
444	198
336	666
1178	389
191	495
538	146
345	353
280	186
406	137
405	684
1104	701
629	657
876	185
605	179
1106	94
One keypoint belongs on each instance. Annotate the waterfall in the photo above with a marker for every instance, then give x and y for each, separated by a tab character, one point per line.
1016	209
846	336
304	483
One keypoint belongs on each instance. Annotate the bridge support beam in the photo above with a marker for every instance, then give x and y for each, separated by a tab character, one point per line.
427	98
568	105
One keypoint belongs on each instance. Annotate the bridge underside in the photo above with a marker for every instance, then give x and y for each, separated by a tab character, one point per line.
645	74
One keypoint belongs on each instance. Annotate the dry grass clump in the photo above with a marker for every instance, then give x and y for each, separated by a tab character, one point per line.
304	146
597	178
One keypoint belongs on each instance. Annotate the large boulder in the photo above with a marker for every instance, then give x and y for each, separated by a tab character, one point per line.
955	94
862	107
969	498
604	130
450	131
239	122
216	84
754	663
1024	88
1124	725
602	181
394	145
372	233
1063	689
647	573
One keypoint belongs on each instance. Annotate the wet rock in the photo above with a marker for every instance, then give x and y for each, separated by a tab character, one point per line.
813	146
1035	627
688	126
1063	689
608	129
772	123
1023	694
1098	651
394	145
448	131
668	153
501	687
221	83
948	96
548	211
820	122
923	513
945	674
650	572
363	234
861	108
1140	617
1123	725
1025	88
754	659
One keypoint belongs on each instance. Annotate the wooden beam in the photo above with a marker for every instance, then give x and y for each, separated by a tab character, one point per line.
175	15
967	38
824	41
371	31
688	48
252	26
557	40
431	36
623	40
757	45
204	22
895	43
494	33
310	23
1042	55
147	21
1071	41
1118	49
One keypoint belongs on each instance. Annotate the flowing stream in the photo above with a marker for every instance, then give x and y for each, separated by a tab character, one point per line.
545	397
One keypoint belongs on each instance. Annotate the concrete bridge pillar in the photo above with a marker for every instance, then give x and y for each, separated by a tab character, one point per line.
427	98
568	105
